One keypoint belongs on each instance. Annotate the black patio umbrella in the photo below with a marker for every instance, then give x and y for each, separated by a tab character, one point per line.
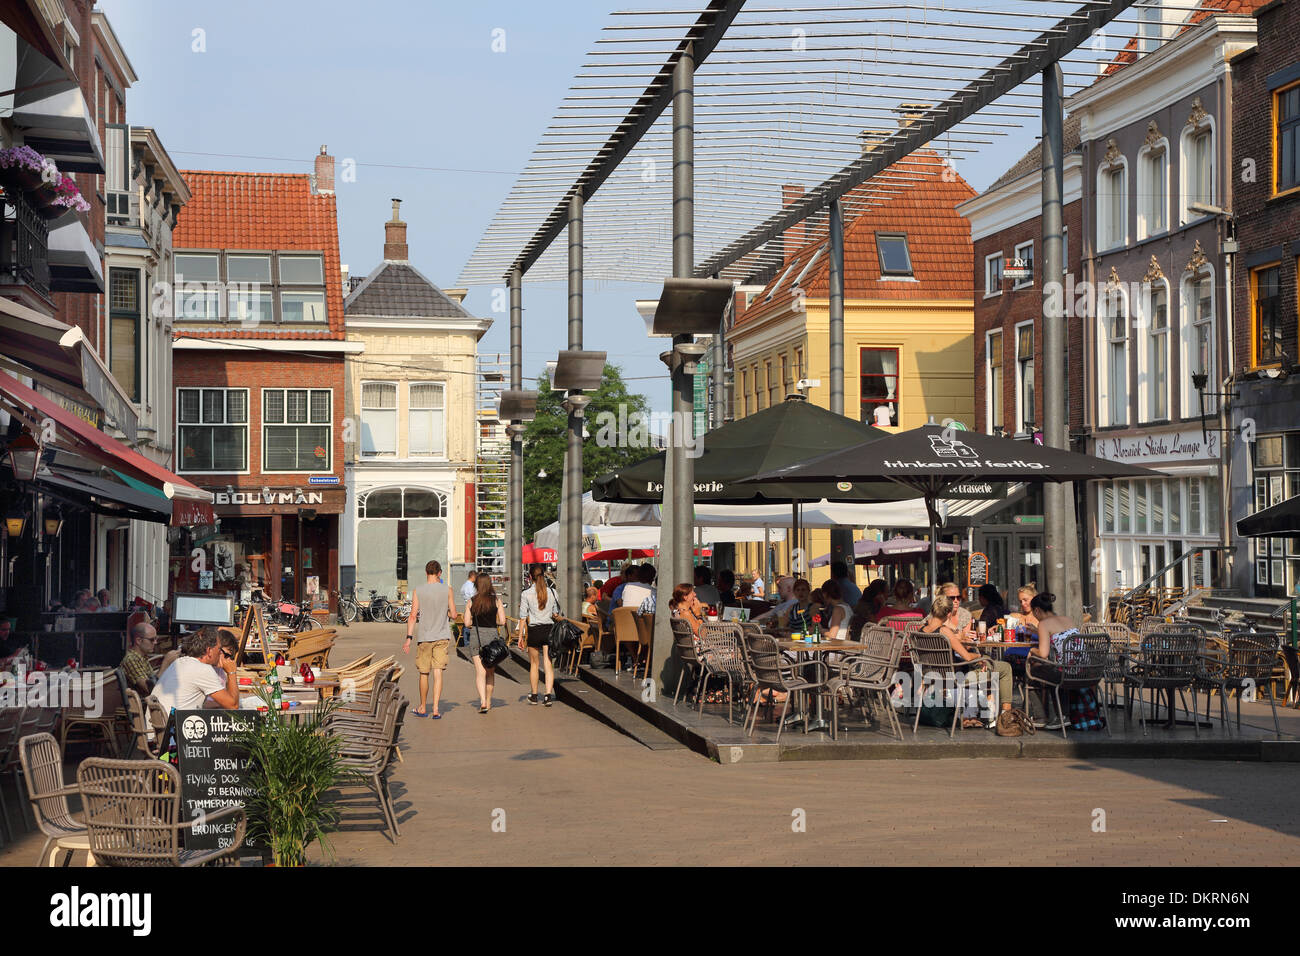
1282	518
793	431
932	459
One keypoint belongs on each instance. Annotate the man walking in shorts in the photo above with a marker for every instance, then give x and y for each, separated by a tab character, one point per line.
433	608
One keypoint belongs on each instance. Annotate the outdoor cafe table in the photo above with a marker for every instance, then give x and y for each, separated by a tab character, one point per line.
820	647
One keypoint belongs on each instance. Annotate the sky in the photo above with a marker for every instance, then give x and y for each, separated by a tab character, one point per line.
412	92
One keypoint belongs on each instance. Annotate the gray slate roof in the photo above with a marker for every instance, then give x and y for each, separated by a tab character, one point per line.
397	288
1032	160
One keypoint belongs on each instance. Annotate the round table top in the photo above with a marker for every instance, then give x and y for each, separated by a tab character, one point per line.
824	645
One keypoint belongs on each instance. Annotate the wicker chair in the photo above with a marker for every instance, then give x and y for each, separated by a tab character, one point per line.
932	654
684	647
134	817
147	722
1121	639
645	630
872	672
43	771
1164	661
367	749
1082	665
721	653
774	672
101	726
625	632
1241	661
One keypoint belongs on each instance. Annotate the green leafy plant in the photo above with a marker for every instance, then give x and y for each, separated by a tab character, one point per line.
294	764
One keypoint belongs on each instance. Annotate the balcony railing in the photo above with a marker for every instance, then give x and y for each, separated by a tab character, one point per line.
24	245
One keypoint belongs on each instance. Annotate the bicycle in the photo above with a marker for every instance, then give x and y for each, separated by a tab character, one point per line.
347	607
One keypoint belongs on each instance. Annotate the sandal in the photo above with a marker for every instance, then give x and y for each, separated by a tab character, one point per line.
970	723
420	713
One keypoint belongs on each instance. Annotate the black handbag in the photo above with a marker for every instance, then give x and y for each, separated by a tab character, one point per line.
493	652
565	636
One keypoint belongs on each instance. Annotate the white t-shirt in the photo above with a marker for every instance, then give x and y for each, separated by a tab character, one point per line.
468	590
186	683
634	594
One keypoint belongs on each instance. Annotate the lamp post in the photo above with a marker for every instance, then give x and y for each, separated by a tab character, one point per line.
24	456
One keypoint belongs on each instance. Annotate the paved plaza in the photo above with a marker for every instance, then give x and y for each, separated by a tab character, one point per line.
534	785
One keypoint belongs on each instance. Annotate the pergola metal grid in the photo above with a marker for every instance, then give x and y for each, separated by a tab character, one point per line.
834	97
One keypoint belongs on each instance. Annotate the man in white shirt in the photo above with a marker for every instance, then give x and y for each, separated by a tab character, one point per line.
470	587
635	592
786	599
196	681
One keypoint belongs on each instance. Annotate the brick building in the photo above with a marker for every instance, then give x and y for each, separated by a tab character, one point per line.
1265	350
1006	224
1155	133
259	379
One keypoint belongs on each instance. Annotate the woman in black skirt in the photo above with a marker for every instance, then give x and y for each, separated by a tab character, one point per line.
537	611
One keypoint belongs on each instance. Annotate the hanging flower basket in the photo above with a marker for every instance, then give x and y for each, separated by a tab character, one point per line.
22	168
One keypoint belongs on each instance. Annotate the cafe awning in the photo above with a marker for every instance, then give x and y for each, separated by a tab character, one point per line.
104	496
1282	518
61	358
69	431
185	511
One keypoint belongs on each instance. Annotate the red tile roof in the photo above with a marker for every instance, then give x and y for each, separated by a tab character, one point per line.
938	238
275	211
1206	9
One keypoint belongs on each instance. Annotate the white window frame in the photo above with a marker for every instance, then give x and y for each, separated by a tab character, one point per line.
1019	369
1105	227
396	411
1104	347
1188	323
329	444
1207	127
446	439
1148	187
1146	354
989	289
990	395
247	426
1016	254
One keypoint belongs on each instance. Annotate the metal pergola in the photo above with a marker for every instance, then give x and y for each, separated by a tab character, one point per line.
673	153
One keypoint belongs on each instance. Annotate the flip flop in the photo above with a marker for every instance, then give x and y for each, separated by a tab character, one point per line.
434	716
420	713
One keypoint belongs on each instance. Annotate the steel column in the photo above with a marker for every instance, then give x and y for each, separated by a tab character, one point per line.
515	510
841	538
1058	500
571	511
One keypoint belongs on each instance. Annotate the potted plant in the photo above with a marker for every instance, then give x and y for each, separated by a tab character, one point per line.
28	170
293	765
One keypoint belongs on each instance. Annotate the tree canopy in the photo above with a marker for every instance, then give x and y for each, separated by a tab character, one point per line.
604	448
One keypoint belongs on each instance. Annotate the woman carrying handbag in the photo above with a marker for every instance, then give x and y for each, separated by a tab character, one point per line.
484	616
537	610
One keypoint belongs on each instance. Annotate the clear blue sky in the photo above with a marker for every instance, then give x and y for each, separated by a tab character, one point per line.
391	83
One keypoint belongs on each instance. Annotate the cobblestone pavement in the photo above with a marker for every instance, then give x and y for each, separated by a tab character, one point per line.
533	785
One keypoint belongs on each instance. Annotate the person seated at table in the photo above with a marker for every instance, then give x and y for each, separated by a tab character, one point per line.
1056	634
785	592
705	592
203	676
685	606
875	599
943	620
105	599
1025	595
953	591
904	595
800	615
838	614
727	589
745	591
637	588
992	604
590	600
849	589
140	674
10	644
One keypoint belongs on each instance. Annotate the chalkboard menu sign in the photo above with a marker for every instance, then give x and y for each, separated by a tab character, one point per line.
214	773
977	572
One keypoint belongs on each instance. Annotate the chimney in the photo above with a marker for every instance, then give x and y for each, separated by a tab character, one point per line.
909	114
395	237
794	236
324	180
872	139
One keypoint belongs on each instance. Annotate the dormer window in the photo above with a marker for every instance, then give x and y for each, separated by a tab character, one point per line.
895	259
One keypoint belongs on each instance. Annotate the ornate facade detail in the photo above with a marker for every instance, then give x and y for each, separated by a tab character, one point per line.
1198	261
1154	136
1154	273
1113	282
1113	154
1198	117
